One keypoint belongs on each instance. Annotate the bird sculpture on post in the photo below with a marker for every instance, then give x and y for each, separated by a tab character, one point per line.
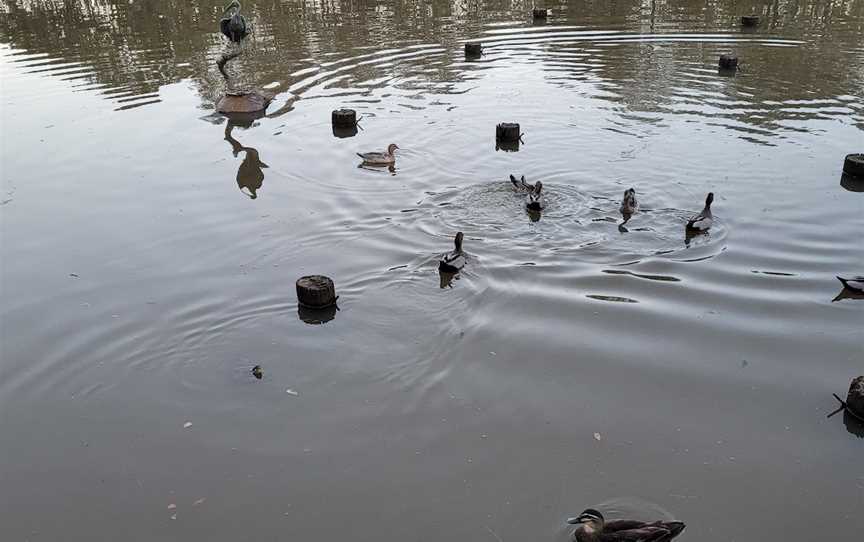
234	26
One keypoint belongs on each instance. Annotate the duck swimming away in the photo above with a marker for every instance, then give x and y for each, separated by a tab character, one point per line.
454	261
535	198
629	205
592	527
856	284
234	27
380	158
702	221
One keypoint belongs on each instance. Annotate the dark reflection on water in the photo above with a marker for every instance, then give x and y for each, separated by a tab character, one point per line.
250	175
576	361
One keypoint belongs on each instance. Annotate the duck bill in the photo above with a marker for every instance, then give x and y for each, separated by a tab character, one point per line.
575	521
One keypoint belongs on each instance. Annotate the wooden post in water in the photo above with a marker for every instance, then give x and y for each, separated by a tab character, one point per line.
344	118
855	399
540	13
473	49
316	292
750	20
854	166
728	62
507	131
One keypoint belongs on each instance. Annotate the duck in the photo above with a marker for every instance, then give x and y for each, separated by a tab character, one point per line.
380	158
535	198
454	261
629	205
702	222
592	527
856	284
234	27
521	185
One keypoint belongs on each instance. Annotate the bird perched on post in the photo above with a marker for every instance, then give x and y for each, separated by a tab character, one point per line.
234	27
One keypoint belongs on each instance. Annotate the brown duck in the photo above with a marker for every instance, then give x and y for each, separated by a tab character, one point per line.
592	527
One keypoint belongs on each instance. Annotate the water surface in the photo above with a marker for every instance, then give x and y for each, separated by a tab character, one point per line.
574	363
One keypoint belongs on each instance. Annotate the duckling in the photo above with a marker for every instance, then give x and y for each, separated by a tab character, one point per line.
856	284
454	261
702	222
521	185
629	205
380	158
593	528
234	27
535	198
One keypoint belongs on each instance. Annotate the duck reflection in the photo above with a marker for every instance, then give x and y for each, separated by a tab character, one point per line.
250	176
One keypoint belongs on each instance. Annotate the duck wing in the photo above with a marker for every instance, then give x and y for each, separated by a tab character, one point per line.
371	155
616	525
644	534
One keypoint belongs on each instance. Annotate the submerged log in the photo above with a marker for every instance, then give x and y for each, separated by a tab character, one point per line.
473	49
316	292
728	62
750	20
507	131
854	165
344	118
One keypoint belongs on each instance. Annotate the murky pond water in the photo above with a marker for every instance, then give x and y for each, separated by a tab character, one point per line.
574	362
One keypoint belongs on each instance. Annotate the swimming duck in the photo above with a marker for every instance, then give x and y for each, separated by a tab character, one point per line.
535	198
856	284
452	262
521	185
234	27
593	528
380	158
629	205
702	221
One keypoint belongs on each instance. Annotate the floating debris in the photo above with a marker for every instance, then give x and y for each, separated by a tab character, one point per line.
598	437
291	392
257	372
187	425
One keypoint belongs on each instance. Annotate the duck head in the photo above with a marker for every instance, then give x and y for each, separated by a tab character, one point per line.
459	237
630	194
391	148
709	200
591	520
233	5
538	186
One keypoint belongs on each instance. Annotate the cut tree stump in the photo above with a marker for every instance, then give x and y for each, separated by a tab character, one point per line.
728	62
507	131
344	118
316	292
243	103
854	165
473	49
855	398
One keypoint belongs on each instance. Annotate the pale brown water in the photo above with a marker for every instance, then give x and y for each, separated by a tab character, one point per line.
140	283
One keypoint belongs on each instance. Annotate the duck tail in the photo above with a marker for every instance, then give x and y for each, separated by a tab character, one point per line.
843	281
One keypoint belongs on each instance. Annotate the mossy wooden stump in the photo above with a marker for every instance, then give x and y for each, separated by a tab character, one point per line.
473	49
854	166
855	398
243	103
728	62
507	131
750	21
316	292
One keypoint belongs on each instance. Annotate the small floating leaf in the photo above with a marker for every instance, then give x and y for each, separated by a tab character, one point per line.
187	425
